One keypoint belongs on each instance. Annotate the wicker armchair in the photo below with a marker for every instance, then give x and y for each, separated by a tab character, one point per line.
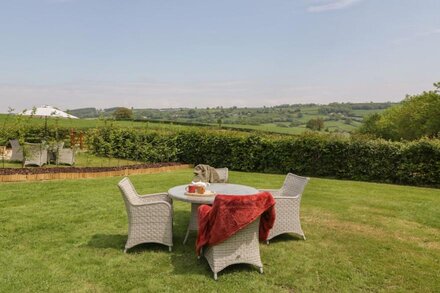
35	154
150	217
17	150
52	152
242	247
66	156
223	174
288	200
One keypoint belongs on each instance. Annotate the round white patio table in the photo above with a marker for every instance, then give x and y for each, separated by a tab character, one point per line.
178	193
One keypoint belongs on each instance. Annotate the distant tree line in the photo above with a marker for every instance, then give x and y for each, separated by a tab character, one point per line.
286	115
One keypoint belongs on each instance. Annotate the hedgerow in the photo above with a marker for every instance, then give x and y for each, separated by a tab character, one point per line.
355	158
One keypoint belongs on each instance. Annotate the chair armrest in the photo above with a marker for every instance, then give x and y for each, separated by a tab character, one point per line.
274	192
156	197
287	197
152	203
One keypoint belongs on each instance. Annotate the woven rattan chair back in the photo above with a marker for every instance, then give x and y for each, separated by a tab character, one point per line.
242	247
223	173
287	207
17	150
36	154
150	216
128	191
293	185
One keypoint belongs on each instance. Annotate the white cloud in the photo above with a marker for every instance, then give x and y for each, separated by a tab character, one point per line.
331	5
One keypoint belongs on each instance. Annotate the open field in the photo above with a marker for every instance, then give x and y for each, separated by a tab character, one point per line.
271	127
63	236
91	123
86	123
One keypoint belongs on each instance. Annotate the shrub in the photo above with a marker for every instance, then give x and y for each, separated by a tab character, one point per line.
315	124
310	154
140	145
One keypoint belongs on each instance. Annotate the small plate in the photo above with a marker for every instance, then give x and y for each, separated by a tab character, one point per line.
207	193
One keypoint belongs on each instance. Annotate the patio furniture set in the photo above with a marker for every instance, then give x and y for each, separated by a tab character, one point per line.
38	154
150	218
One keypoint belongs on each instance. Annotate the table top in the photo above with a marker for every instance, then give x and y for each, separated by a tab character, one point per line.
178	192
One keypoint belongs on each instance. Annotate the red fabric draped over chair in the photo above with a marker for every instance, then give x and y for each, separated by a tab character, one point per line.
230	213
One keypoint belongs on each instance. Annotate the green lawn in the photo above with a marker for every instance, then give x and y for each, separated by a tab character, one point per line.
68	236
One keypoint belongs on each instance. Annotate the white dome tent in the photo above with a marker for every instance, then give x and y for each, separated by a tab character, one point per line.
47	111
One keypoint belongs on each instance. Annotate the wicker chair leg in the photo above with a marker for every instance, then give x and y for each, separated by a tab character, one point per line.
261	270
215	276
170	248
125	250
267	242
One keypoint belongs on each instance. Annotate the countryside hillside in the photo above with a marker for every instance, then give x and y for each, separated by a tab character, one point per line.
336	117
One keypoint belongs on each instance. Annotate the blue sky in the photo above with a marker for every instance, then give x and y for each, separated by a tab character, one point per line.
104	53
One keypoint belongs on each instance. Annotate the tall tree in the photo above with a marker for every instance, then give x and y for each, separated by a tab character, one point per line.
315	124
416	116
122	113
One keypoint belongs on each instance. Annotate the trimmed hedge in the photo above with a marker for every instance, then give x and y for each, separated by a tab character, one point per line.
32	133
415	163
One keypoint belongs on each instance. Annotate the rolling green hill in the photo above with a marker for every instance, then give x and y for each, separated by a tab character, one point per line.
287	119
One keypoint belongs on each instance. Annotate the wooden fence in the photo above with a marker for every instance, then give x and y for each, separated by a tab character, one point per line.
83	175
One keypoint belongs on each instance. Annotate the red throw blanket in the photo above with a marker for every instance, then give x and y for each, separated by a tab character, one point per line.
230	213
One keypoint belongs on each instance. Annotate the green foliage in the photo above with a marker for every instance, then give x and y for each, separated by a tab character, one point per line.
355	158
142	145
417	116
282	114
122	113
315	124
84	112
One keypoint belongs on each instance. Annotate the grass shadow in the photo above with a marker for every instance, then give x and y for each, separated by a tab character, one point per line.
183	258
185	262
181	219
150	247
115	241
285	237
236	268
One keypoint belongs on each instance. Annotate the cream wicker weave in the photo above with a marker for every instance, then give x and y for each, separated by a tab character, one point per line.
66	156
35	154
17	150
178	192
52	152
242	247
288	200
223	173
150	217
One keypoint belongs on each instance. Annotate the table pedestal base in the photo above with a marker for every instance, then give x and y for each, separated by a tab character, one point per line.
193	224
